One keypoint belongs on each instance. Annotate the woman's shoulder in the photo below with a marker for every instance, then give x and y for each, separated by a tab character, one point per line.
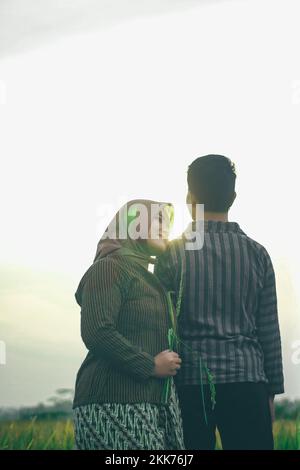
109	264
104	269
118	268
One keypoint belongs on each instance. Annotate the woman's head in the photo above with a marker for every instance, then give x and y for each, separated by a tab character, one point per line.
140	227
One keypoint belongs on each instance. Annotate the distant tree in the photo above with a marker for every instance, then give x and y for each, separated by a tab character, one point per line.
287	409
59	406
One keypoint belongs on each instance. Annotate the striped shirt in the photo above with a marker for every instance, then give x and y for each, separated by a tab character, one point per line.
229	308
125	320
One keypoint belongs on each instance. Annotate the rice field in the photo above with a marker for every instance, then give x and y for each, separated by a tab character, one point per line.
37	435
52	435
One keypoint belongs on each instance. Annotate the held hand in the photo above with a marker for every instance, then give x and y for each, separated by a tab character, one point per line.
167	363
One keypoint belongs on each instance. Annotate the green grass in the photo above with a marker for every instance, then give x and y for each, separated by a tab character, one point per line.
51	434
37	435
287	435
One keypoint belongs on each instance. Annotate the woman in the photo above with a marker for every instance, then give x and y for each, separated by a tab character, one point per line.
125	396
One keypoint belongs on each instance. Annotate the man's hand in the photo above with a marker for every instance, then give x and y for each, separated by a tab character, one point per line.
272	408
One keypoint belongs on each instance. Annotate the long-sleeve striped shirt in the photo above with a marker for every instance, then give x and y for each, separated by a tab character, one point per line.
229	307
125	320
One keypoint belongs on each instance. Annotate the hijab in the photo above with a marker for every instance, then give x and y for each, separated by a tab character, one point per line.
128	231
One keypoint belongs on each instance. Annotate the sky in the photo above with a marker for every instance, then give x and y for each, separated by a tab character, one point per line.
100	104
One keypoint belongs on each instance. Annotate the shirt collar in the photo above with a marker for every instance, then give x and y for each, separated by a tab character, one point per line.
219	226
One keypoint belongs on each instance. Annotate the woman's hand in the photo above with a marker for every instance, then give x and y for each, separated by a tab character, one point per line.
167	363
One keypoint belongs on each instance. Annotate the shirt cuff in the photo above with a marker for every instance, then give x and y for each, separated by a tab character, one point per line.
144	367
275	389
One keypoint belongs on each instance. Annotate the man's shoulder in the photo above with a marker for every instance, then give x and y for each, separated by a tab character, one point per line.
259	252
178	244
177	247
257	246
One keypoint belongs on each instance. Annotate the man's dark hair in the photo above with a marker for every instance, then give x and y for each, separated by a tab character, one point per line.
211	179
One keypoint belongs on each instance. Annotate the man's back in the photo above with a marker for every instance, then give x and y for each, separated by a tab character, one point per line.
229	307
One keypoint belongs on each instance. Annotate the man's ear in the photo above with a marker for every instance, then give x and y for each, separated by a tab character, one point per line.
233	199
191	202
190	198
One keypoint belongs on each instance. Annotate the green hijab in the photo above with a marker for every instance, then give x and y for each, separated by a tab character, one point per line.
128	231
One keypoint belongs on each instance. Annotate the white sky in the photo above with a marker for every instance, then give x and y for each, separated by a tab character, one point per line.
88	119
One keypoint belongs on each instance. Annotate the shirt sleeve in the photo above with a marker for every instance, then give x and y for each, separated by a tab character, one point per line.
100	310
269	332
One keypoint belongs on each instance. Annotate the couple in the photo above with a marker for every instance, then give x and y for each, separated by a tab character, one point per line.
193	346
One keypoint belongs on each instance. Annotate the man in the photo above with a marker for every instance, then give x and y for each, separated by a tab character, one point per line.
228	318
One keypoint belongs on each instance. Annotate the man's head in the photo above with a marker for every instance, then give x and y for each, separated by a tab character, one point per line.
211	181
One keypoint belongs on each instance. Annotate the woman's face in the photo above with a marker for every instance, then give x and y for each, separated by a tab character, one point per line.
159	231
